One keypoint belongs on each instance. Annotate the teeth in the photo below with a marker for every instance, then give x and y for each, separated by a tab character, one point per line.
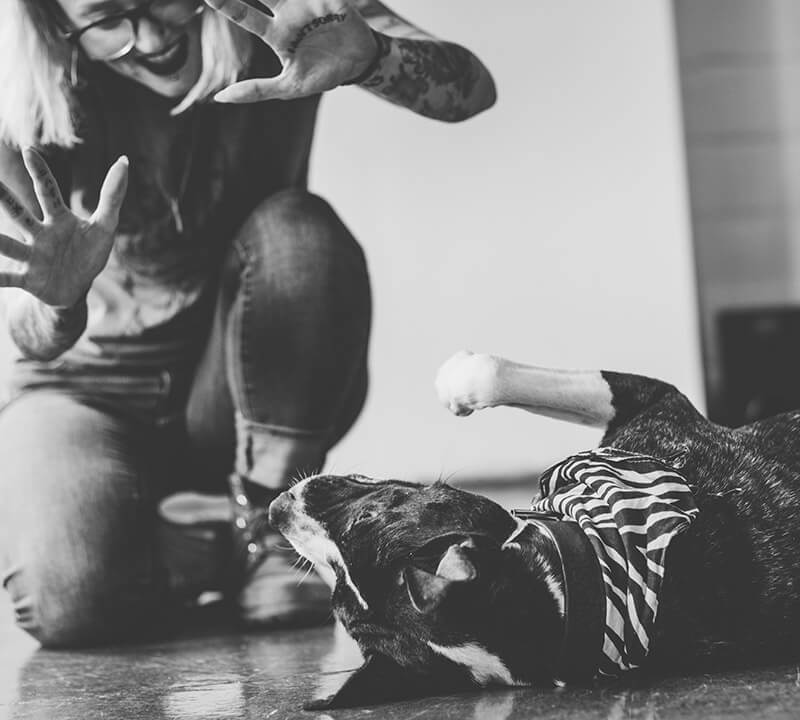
166	55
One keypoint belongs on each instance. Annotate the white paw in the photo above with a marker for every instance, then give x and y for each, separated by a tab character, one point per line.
467	382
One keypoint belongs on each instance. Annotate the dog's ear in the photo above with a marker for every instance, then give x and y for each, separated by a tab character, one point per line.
427	590
456	564
380	679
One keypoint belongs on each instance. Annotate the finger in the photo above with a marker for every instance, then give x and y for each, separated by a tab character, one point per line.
45	185
244	15
14	249
112	195
265	6
16	210
10	279
254	90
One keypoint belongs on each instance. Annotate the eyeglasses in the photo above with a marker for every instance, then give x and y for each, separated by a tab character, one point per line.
114	36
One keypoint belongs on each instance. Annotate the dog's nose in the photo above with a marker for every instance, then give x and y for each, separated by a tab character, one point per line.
280	509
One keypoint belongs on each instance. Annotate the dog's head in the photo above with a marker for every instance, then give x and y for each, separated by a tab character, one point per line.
426	583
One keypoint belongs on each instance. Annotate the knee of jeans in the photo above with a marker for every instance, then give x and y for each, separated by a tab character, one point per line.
56	612
296	231
63	611
64	632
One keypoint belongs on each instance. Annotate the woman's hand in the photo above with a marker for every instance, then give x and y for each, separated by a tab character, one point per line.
62	253
321	43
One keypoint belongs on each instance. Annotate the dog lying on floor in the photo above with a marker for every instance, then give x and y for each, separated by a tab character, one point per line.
677	539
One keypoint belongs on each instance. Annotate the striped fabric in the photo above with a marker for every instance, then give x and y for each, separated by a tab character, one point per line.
630	507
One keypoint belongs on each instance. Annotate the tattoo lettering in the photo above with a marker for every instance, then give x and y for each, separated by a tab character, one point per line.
51	192
14	209
317	22
12	206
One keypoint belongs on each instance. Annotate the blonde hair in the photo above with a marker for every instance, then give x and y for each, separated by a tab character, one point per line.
36	102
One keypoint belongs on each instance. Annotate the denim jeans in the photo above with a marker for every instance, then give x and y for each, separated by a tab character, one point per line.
280	378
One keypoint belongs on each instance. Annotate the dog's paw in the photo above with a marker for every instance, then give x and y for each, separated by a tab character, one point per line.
467	382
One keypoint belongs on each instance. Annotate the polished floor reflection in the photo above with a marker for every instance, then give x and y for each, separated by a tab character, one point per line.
217	673
270	676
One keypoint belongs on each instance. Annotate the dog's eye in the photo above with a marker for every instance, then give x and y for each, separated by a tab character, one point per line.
362	479
428	557
434	549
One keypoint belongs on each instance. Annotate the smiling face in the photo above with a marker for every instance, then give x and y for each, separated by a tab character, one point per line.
166	59
420	570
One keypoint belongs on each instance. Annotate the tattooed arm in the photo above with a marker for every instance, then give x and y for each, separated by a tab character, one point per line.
41	332
434	78
54	254
323	44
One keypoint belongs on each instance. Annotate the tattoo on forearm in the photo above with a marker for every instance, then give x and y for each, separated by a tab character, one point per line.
384	48
317	22
384	20
436	79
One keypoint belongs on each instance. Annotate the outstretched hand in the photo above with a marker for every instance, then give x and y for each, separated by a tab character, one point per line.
62	253
321	43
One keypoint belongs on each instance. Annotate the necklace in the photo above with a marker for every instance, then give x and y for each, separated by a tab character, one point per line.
173	200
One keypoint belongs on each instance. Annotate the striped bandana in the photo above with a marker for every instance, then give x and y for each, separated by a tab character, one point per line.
630	507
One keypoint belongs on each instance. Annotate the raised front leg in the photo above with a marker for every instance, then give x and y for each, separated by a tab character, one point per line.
469	382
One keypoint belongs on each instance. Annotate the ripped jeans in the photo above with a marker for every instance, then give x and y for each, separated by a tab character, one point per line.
281	377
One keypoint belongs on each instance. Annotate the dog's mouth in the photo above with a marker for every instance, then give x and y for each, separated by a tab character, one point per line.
169	60
307	535
287	515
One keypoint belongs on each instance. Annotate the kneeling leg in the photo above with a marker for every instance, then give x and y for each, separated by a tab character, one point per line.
76	524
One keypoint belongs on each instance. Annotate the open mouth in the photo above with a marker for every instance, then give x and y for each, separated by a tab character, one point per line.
170	60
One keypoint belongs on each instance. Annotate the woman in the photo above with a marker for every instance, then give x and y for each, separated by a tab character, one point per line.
195	317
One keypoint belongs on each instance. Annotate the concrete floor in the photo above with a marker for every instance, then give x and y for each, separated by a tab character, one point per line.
212	674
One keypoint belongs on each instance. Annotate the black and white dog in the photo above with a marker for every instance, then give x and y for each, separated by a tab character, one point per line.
445	590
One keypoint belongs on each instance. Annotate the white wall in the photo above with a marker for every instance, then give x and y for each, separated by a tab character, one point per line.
740	66
552	229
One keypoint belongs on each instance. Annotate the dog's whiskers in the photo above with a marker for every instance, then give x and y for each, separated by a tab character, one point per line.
300	476
308	572
441	480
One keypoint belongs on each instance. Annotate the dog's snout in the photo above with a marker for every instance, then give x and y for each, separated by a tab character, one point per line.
280	510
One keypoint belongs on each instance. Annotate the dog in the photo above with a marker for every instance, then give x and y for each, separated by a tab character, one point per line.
445	591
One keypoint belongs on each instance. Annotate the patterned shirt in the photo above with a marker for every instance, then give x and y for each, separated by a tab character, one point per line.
630	507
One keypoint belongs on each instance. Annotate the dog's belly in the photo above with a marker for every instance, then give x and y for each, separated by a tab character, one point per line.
734	575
